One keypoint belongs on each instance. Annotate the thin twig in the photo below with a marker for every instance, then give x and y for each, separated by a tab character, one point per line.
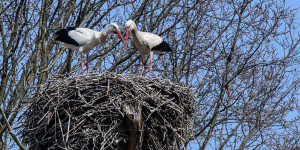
11	132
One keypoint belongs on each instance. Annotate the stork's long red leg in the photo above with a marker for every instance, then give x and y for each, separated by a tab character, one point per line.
150	67
87	63
143	66
81	63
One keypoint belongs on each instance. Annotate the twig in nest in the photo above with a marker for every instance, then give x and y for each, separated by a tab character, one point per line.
89	112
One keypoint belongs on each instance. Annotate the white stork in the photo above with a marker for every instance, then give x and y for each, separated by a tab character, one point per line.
146	43
84	39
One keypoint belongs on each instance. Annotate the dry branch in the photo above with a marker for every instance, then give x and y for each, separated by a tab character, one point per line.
108	111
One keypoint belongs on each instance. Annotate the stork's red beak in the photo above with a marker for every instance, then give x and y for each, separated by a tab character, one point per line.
119	34
127	34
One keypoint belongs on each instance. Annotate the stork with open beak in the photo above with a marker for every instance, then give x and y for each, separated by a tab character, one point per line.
84	39
146	43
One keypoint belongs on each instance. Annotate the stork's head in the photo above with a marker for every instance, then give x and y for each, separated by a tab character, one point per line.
114	28
129	26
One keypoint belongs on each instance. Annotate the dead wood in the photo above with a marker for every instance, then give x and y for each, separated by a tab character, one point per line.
108	111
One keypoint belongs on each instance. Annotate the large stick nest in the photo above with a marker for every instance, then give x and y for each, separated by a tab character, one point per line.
91	112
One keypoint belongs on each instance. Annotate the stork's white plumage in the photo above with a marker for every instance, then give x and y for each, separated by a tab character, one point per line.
84	39
147	43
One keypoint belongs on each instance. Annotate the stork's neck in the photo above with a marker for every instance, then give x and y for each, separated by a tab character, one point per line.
102	36
135	32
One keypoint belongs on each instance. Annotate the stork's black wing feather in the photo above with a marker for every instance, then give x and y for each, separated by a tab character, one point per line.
162	47
71	28
63	36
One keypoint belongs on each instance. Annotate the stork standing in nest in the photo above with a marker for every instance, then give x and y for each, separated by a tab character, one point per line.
146	42
84	39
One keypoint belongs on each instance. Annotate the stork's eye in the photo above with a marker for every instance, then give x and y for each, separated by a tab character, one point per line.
114	27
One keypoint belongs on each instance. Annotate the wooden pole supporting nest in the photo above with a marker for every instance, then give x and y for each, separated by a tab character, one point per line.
108	111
